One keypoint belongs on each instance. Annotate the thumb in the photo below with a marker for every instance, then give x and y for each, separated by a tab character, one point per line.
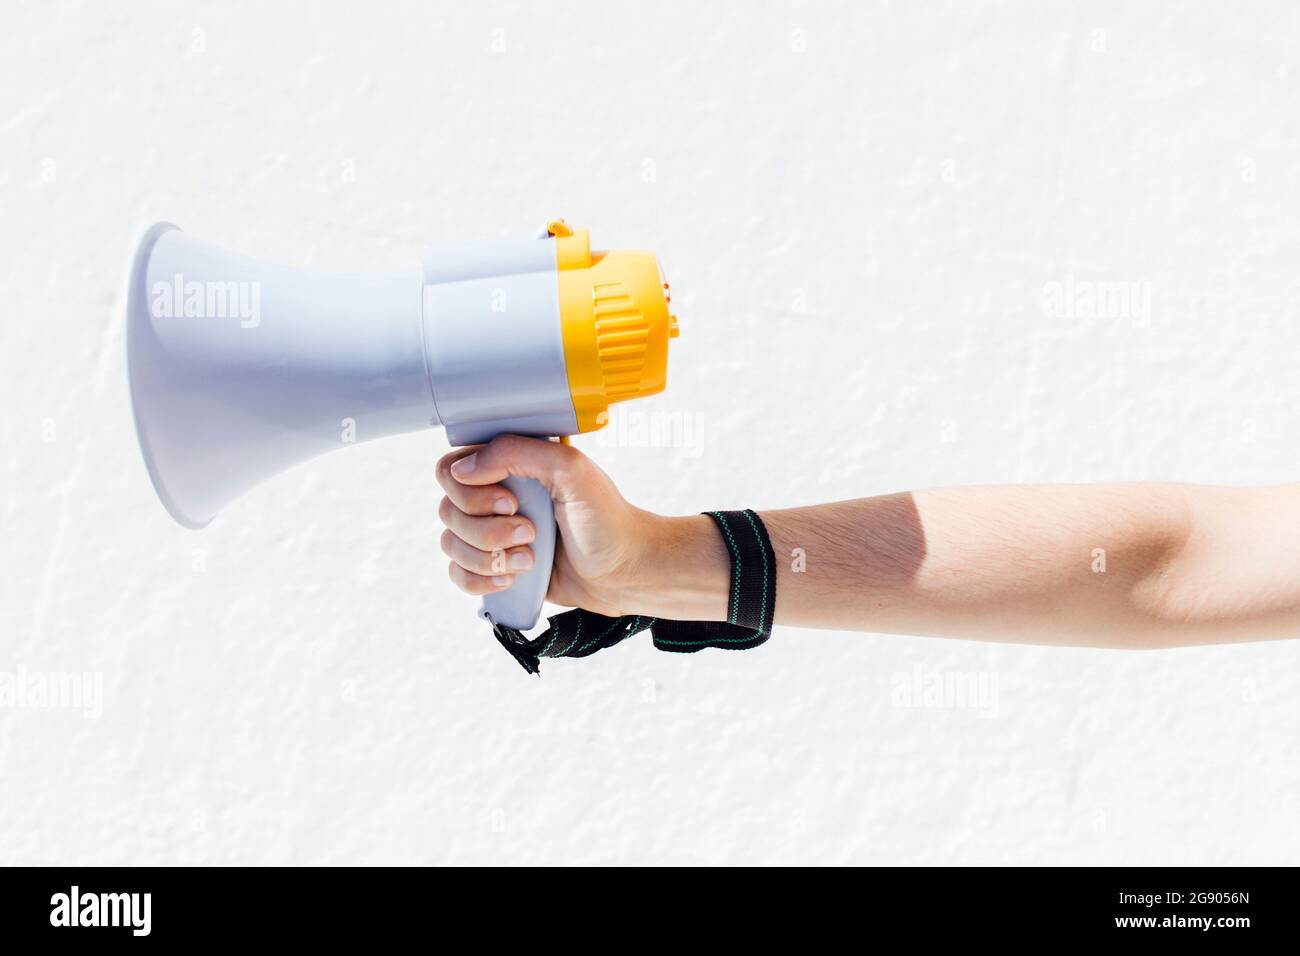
558	467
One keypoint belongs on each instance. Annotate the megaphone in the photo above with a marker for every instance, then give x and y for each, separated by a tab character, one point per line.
240	369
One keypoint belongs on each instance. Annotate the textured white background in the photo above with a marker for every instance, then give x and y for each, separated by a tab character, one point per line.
859	207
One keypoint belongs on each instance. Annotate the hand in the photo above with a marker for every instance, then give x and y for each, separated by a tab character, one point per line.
611	557
602	538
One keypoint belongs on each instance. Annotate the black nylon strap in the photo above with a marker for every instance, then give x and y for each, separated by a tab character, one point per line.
750	604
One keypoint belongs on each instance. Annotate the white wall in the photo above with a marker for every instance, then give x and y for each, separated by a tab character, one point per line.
861	208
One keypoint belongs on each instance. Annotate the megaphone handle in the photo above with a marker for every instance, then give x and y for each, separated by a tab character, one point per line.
520	605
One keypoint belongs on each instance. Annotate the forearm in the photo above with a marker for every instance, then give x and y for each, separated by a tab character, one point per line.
1047	564
1103	565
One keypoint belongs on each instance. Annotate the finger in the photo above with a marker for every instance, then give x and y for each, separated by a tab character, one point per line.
556	466
486	533
487	563
472	583
474	499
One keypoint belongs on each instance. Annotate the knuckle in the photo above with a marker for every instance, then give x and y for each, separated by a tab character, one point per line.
568	460
463	579
504	444
503	534
443	470
478	498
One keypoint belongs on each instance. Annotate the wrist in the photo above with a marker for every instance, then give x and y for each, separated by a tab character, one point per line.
683	573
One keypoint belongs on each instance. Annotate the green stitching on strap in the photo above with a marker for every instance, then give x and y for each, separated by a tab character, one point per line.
712	640
576	635
608	630
749	516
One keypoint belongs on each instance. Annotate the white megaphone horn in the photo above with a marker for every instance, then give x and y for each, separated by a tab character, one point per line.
240	369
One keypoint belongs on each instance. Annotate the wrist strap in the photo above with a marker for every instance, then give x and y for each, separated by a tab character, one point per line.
750	604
